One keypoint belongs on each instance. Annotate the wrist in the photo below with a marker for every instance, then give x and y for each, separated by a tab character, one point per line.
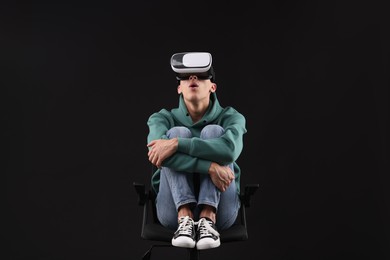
175	143
211	168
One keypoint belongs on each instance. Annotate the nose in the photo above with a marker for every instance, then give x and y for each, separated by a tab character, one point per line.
193	77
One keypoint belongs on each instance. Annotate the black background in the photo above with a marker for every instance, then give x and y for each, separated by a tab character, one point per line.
79	81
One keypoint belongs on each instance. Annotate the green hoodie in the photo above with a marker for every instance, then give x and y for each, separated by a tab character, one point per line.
195	154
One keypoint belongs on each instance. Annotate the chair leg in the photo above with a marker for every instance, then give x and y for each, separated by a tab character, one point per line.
147	254
194	253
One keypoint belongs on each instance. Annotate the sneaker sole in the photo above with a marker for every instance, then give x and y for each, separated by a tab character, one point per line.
208	245
185	244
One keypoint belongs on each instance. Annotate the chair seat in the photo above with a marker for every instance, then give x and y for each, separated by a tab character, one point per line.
156	232
235	233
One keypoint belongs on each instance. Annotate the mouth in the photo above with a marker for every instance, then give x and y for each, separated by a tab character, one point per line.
193	85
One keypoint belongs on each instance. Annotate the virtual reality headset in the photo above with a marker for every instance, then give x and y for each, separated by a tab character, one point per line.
185	64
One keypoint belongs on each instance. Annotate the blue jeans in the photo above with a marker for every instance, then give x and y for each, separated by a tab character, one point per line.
177	189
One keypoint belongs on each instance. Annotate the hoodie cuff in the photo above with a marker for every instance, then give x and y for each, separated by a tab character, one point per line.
184	145
204	166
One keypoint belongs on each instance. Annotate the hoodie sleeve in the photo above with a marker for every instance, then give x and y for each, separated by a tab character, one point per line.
159	123
223	150
186	163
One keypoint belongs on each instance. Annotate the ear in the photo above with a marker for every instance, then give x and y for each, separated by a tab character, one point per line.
179	90
213	88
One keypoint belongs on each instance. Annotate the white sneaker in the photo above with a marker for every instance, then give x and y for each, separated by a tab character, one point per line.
208	236
185	233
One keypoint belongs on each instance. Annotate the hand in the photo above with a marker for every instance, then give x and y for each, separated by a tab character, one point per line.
161	149
221	176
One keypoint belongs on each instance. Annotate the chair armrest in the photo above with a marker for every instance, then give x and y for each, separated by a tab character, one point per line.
142	194
249	190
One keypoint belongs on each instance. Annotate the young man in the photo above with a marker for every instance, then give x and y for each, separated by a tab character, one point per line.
195	147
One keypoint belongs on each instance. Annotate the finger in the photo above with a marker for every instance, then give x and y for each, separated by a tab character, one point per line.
158	163
225	182
152	152
154	162
153	158
224	185
228	178
156	159
151	143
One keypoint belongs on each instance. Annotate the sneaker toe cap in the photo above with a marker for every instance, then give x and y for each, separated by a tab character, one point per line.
206	243
183	241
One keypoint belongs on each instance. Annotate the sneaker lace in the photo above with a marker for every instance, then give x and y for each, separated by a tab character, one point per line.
205	229
185	226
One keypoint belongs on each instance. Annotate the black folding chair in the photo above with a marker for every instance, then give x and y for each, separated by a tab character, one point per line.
151	228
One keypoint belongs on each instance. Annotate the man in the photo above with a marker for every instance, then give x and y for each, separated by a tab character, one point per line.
195	147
